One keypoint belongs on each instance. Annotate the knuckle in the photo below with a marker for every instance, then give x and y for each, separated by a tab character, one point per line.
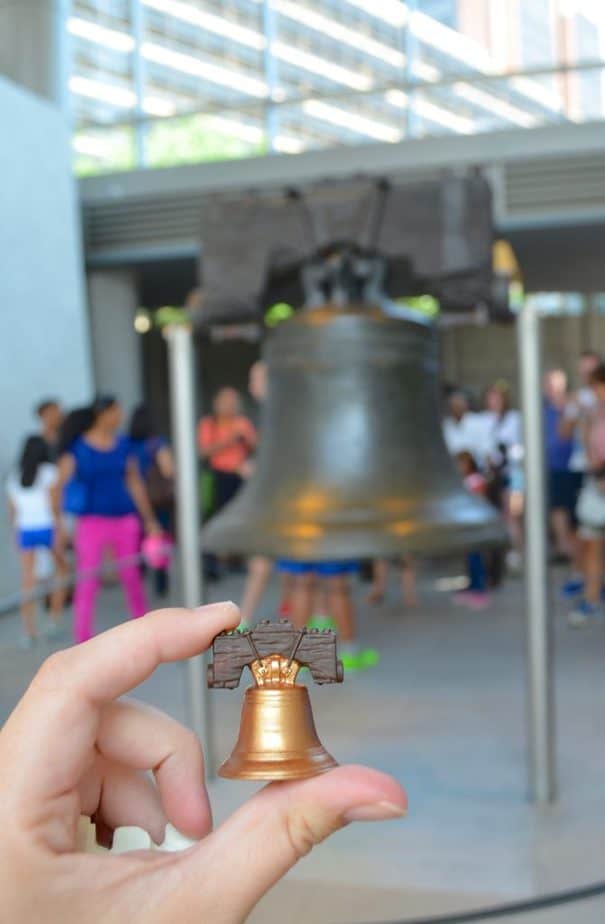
188	743
191	740
302	833
53	671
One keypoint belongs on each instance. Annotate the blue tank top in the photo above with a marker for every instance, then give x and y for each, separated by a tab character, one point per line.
102	475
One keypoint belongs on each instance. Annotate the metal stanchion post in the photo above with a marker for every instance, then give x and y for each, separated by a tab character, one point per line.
539	630
181	365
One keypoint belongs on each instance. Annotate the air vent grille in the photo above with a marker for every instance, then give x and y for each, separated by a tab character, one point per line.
550	185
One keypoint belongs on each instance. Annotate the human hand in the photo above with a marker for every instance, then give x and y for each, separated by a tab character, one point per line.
240	438
226	442
246	469
242	430
572	410
70	748
152	527
61	537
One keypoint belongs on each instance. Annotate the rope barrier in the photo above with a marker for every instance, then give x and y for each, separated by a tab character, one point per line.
530	905
12	602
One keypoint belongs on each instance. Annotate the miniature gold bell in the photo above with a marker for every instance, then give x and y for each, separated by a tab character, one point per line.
277	738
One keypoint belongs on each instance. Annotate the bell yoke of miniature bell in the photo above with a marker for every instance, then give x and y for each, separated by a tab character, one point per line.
277	738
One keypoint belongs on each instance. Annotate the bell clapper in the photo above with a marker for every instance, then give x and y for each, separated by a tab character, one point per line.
277	738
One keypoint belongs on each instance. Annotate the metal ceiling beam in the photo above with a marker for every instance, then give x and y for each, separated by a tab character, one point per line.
393	160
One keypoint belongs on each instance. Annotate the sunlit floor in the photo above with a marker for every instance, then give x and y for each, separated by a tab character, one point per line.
444	713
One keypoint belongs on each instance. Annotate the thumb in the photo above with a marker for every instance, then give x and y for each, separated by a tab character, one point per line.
260	842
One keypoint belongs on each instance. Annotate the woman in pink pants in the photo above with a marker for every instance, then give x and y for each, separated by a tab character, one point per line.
103	487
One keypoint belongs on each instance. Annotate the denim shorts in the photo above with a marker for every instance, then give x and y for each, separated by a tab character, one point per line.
36	538
322	568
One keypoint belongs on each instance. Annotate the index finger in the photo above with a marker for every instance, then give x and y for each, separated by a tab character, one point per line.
49	739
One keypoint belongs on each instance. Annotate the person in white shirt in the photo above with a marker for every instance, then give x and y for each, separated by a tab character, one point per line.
502	425
503	429
579	407
463	430
573	424
31	508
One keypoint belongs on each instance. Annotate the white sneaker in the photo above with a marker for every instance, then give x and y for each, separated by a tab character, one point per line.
514	561
581	614
51	629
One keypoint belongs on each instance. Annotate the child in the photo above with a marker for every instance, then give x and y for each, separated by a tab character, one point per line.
310	579
380	574
31	509
475	596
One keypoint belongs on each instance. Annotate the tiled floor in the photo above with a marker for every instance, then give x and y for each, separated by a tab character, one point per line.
444	712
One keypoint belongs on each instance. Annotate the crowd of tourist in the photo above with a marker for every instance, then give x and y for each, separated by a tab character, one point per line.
84	483
81	483
487	443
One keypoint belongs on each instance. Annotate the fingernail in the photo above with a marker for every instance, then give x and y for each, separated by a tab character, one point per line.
378	811
223	605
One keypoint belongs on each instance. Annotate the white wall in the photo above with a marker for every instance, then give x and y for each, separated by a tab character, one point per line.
43	328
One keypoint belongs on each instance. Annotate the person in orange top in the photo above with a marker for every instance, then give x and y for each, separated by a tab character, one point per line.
226	440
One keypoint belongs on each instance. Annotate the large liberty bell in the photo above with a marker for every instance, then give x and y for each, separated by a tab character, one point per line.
277	738
352	462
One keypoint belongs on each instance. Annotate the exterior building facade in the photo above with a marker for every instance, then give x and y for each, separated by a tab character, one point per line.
159	82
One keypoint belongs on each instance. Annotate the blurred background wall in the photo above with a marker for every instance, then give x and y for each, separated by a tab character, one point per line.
478	355
116	348
43	319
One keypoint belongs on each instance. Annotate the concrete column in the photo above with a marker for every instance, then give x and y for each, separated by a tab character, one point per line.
116	347
540	671
33	46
